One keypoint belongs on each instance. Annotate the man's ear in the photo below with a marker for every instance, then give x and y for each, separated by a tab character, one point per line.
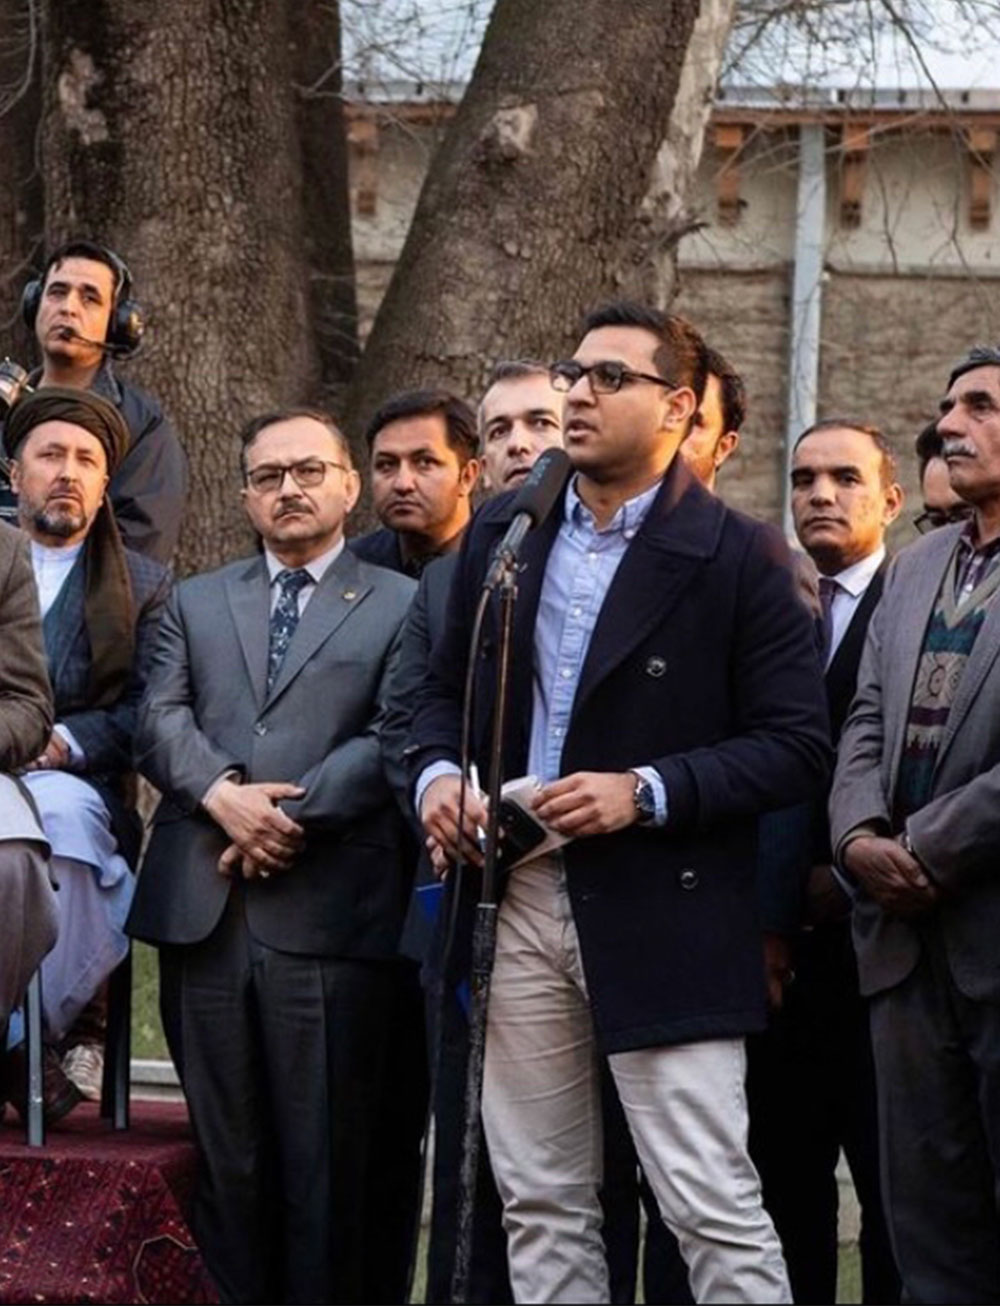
352	489
469	475
15	474
681	406
894	499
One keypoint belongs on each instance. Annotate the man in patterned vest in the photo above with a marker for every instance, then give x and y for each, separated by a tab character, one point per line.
915	824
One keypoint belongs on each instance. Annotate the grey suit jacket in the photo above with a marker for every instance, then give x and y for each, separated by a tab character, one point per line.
26	711
957	834
206	712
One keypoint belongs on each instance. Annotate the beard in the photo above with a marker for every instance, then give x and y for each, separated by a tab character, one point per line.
59	523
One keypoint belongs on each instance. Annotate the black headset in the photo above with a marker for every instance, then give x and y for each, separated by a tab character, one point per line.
126	323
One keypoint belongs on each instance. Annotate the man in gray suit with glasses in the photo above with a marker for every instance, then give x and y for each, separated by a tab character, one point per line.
273	881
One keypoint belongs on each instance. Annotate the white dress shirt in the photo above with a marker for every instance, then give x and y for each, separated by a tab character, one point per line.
851	585
317	569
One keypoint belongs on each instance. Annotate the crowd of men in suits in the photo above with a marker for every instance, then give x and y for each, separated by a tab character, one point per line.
767	936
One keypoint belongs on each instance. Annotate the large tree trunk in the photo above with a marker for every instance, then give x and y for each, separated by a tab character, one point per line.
21	210
315	35
170	132
521	219
649	255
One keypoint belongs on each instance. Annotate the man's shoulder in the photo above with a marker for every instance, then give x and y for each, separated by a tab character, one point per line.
147	575
211	583
142	412
12	542
380	547
390	584
929	552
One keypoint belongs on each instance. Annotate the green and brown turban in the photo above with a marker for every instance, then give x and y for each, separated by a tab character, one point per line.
108	603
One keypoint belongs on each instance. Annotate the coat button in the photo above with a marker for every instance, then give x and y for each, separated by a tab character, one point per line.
260	728
688	878
656	666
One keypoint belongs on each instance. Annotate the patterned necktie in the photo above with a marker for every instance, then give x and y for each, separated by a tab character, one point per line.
284	619
828	588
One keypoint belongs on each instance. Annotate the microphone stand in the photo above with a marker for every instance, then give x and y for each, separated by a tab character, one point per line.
484	935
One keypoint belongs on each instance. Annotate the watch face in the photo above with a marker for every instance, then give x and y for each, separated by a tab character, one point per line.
644	800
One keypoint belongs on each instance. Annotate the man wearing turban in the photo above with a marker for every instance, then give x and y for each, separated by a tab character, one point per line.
100	606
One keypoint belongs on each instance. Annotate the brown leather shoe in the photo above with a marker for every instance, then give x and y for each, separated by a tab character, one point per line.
59	1094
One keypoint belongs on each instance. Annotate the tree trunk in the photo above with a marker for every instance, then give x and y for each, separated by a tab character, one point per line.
21	210
170	132
315	36
520	222
648	260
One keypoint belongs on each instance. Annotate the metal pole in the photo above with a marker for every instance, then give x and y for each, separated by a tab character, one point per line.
803	355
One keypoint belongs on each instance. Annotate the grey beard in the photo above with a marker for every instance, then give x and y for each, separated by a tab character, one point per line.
60	526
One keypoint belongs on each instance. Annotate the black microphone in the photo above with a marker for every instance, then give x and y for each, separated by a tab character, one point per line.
71	333
532	504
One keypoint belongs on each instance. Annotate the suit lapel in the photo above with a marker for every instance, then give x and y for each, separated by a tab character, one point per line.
249	596
680	533
842	673
339	593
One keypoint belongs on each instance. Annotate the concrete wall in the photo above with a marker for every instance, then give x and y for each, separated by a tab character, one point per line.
905	292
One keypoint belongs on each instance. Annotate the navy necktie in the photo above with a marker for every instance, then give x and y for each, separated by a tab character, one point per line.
284	619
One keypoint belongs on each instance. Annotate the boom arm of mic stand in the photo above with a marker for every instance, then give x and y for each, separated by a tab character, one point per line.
483	947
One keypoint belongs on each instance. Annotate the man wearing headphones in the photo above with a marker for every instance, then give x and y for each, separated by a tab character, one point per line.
83	315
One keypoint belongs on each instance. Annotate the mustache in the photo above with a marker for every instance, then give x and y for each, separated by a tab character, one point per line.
289	506
953	448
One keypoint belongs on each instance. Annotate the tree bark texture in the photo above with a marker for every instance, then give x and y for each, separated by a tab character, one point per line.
170	132
314	26
21	208
649	264
521	220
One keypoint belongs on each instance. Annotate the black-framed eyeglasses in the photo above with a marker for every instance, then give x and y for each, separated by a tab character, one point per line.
307	474
933	518
606	377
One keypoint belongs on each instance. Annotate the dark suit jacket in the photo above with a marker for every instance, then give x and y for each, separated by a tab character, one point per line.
106	734
703	665
423	628
206	712
25	695
795	839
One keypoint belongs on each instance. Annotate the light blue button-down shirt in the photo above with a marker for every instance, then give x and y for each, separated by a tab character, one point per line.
579	571
578	574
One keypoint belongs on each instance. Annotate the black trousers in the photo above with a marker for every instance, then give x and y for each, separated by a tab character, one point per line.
937	1054
394	1175
280	1058
811	1092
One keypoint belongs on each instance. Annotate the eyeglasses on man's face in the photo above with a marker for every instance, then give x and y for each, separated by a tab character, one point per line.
307	474
606	377
933	518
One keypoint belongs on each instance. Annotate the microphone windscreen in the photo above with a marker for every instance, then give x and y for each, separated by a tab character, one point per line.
543	486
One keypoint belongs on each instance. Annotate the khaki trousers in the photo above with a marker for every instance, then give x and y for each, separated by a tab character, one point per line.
685	1105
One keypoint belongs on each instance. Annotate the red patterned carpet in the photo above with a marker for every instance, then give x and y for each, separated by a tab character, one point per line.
99	1216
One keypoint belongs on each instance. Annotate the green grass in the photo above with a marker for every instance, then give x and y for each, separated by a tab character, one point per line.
148	1042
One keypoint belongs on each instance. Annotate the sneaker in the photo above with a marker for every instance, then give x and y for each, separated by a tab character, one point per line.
84	1065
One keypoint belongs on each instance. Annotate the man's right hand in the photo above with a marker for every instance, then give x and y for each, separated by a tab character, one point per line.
439	816
890	875
257	826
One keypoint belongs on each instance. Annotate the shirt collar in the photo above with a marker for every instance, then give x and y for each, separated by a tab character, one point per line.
317	569
47	554
967	540
626	520
856	578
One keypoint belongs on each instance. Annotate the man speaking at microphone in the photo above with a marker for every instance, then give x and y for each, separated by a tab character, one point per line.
83	316
665	691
